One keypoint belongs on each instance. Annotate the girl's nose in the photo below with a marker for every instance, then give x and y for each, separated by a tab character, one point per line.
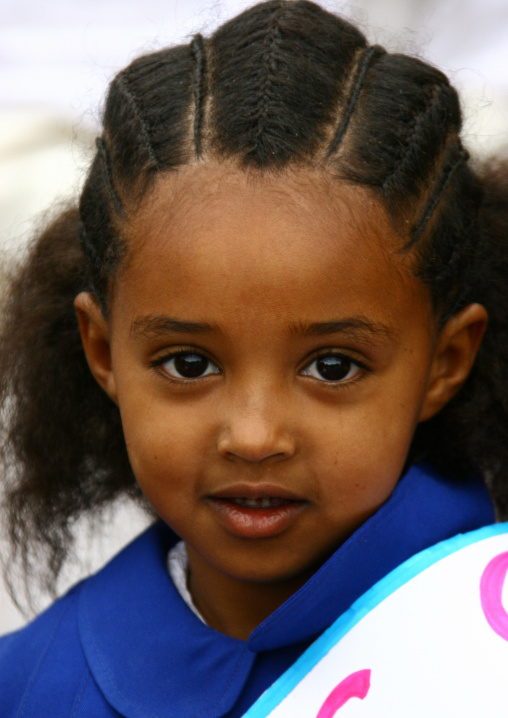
254	436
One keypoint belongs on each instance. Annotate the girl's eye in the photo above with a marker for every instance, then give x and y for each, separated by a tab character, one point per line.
188	365
332	367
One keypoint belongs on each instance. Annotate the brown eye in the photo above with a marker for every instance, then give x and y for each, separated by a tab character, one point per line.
332	367
187	365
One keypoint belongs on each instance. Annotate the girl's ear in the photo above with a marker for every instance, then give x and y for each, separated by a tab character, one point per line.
455	352
95	338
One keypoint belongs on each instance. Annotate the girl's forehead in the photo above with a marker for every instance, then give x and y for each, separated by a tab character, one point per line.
186	205
298	240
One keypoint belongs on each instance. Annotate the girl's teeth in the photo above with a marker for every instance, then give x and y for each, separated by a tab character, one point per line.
266	502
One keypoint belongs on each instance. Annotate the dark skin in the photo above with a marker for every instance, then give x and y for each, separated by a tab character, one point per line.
271	354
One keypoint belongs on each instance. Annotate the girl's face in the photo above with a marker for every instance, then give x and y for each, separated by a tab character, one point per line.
271	355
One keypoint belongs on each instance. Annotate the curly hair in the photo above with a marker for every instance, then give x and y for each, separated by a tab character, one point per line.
283	83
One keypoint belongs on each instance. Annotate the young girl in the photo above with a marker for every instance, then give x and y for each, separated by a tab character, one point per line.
278	317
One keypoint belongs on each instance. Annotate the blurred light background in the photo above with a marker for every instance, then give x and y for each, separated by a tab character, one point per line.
57	57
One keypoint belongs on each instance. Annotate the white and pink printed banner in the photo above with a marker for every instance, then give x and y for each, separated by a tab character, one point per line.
430	640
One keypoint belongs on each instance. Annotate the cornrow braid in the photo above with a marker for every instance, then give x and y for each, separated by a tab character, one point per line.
417	129
445	177
369	56
272	39
199	53
88	248
121	82
103	152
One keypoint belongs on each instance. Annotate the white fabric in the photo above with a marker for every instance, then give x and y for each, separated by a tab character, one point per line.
178	567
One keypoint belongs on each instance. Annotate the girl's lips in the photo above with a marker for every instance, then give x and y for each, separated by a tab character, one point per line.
261	522
248	490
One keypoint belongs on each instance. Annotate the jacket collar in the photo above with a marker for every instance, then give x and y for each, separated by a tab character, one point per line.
151	656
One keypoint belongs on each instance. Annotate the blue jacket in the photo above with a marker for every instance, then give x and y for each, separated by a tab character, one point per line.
124	643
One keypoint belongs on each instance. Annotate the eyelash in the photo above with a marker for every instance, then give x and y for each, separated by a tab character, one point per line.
157	364
362	367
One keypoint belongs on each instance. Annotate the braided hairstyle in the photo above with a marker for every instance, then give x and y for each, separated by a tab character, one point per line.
283	83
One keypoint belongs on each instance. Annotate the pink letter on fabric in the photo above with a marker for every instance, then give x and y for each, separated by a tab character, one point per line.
354	686
491	592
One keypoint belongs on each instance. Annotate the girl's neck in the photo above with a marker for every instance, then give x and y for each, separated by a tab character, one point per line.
235	607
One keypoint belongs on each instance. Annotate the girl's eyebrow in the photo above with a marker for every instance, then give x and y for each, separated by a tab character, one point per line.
356	327
154	325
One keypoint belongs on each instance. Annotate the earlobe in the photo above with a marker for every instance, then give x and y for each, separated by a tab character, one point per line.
454	355
95	339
